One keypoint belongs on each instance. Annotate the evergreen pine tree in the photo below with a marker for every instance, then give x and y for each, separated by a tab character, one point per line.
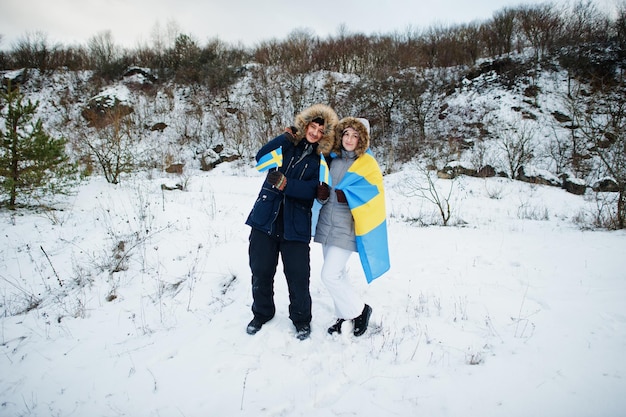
32	163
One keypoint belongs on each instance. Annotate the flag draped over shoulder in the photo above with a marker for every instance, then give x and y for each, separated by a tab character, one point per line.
325	172
363	187
273	159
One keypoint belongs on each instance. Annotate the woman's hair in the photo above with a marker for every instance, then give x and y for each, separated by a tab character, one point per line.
361	128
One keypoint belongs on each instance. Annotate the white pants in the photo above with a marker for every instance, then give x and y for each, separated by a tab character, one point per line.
348	304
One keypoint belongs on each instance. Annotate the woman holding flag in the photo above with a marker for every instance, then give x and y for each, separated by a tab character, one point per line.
352	219
281	216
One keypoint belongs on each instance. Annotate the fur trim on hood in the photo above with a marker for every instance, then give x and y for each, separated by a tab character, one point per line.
356	124
305	117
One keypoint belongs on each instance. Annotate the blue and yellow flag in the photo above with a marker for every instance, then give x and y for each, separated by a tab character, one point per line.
325	172
363	187
273	159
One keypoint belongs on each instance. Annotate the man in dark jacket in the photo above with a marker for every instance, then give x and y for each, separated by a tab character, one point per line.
281	218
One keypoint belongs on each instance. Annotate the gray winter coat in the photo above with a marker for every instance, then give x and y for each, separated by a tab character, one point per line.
335	225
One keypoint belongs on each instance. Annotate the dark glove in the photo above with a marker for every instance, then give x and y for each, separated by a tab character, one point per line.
323	191
341	197
277	179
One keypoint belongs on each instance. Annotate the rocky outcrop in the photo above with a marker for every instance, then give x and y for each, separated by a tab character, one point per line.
573	185
216	156
455	169
105	109
605	185
537	176
13	79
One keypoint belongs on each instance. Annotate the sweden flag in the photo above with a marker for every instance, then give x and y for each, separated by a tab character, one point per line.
325	172
273	159
363	187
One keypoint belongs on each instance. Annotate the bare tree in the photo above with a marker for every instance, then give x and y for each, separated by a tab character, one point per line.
603	125
102	48
517	146
584	23
421	91
619	28
33	50
104	53
578	155
471	47
541	24
112	145
298	51
498	33
425	185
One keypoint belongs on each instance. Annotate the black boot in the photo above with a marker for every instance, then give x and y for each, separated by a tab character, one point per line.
303	331
336	328
360	323
254	326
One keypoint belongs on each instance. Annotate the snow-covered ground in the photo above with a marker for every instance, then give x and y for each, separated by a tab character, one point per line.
133	301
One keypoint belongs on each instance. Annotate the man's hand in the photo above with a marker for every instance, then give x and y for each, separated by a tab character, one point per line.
277	179
292	130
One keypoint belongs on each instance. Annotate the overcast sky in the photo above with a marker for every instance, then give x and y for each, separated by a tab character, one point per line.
131	22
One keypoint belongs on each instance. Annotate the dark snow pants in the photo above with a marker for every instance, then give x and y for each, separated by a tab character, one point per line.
263	254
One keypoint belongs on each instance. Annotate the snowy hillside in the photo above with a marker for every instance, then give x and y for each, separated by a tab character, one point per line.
504	114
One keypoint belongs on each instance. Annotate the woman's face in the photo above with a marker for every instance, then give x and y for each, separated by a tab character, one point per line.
349	139
314	132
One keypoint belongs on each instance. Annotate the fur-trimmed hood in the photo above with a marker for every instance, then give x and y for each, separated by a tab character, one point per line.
359	126
305	117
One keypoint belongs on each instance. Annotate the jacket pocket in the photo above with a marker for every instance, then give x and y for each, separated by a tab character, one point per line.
301	216
264	208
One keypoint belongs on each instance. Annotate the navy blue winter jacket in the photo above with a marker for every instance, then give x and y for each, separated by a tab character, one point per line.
301	164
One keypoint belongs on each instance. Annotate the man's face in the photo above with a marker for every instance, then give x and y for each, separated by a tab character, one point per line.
314	132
